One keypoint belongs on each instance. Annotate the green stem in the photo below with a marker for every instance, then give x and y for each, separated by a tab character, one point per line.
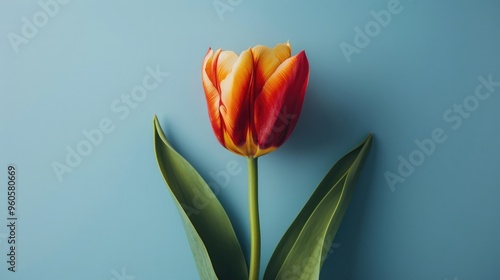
253	207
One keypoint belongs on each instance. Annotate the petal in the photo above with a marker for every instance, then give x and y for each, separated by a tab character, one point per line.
278	106
212	96
267	60
225	63
236	100
207	67
249	149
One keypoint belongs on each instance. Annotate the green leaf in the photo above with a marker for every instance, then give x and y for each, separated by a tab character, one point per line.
215	247
302	250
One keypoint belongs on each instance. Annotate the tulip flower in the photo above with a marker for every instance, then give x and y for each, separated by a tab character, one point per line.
254	99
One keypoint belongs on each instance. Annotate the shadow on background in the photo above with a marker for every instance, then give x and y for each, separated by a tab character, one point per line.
326	124
317	126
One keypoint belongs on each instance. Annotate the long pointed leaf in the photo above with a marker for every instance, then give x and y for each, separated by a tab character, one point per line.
302	250
215	247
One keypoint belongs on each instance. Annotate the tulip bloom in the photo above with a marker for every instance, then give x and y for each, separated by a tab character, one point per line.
254	99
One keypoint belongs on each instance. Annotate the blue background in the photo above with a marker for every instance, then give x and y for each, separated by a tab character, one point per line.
112	215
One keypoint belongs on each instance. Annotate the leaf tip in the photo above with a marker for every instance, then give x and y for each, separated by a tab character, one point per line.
155	121
368	140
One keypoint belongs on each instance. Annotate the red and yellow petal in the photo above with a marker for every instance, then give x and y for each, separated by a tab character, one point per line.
236	100
212	96
225	62
278	106
208	66
267	60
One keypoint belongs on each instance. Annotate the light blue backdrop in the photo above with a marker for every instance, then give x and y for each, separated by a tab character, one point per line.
65	66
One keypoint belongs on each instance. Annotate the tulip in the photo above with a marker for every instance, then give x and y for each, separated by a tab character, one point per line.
254	99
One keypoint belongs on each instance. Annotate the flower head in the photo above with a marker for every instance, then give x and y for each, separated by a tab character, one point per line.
254	99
